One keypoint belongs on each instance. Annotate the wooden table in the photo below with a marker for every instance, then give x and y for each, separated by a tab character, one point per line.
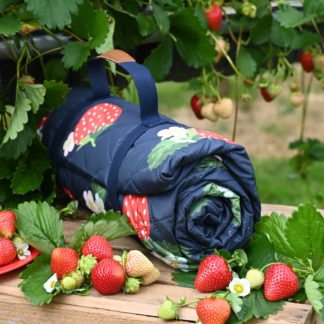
121	308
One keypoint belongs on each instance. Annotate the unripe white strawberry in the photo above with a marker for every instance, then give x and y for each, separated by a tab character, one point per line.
297	99
208	111
224	107
318	62
151	277
137	264
255	278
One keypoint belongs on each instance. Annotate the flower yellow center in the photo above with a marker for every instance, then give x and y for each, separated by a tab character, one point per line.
52	284
20	252
238	288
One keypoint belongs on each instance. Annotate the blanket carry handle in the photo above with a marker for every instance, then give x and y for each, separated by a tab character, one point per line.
142	77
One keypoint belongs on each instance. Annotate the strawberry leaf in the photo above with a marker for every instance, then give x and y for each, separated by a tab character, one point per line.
35	93
9	25
53	14
19	115
184	279
246	63
260	251
91	25
75	54
160	59
55	93
111	225
315	293
108	43
255	305
40	225
34	277
161	18
7	168
309	224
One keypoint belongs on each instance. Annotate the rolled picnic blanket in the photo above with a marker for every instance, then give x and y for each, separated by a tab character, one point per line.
185	191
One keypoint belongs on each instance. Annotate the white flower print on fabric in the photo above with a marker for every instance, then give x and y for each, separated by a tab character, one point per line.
175	134
173	261
95	203
68	145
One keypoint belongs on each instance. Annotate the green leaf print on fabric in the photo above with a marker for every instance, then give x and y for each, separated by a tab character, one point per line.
215	190
209	162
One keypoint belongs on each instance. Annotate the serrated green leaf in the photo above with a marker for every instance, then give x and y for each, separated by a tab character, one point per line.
235	301
53	14
281	36
7	168
313	293
34	277
14	148
260	33
9	25
146	24
35	93
313	8
75	54
55	70
90	24
108	43
245	63
55	93
191	42
309	224
200	14
40	225
290	17
29	172
304	39
274	227
184	279
161	18
111	225
319	276
261	308
19	116
260	251
160	59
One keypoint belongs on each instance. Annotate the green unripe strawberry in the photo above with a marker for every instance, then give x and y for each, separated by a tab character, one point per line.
78	276
168	310
255	278
69	283
132	285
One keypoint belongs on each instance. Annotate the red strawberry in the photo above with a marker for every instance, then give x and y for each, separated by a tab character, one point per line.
108	277
7	251
7	223
196	106
98	246
63	261
280	282
137	210
306	60
94	120
213	311
265	94
213	274
214	16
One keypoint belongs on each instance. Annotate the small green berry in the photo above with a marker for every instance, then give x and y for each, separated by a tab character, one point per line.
168	310
69	283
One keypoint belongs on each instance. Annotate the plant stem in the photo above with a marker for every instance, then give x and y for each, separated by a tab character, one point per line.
305	105
236	109
53	36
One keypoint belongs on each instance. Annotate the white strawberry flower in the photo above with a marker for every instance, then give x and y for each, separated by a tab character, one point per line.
241	287
22	250
68	145
49	285
176	134
95	203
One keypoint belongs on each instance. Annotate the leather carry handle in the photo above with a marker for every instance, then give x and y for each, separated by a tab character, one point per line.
142	77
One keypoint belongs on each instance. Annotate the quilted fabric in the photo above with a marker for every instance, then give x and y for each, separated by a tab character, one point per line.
185	191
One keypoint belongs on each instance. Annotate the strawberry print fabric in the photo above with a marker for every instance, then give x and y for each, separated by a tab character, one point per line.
185	191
